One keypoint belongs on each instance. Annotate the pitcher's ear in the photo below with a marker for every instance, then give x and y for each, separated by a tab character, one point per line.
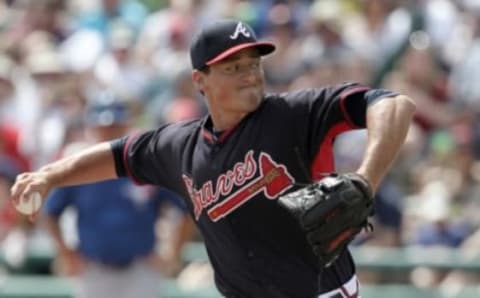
198	79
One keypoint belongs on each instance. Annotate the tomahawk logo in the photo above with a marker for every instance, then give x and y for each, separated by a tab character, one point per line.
240	29
272	179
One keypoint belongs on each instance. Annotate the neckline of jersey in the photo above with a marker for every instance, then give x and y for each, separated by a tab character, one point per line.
210	136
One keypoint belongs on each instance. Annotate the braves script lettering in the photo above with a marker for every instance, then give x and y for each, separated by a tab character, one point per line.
273	179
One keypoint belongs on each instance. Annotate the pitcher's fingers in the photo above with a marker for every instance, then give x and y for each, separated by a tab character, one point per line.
22	176
17	189
19	183
27	192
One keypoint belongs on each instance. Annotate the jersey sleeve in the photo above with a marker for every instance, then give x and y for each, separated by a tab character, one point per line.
135	158
346	103
147	158
331	111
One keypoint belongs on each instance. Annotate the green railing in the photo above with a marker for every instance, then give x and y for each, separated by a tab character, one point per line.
366	257
380	258
54	287
394	260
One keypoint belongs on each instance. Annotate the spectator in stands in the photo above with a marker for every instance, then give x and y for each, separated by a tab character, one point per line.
420	76
119	44
100	18
438	228
118	68
116	254
8	217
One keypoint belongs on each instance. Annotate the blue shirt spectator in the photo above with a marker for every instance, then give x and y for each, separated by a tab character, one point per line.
116	219
442	233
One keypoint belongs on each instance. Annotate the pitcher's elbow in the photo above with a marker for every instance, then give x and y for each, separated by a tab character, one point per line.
407	104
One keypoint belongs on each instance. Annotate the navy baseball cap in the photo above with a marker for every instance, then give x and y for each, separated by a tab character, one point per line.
222	38
106	110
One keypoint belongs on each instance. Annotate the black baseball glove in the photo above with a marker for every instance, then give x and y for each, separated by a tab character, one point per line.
331	212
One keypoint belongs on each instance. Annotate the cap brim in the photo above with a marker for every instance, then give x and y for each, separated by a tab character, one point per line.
264	48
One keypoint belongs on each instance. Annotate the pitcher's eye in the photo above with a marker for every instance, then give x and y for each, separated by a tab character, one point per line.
229	69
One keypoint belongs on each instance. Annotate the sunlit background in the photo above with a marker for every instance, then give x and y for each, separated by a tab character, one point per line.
58	56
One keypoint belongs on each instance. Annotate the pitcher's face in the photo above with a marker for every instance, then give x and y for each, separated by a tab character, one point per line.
236	83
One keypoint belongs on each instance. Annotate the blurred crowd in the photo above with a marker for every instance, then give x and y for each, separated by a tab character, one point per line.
58	57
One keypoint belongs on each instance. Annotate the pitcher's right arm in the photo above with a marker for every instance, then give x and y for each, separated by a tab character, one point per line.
93	164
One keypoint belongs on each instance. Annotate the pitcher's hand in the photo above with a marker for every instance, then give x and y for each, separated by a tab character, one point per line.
28	183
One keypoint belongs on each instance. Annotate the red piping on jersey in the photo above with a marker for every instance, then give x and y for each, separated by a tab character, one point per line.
323	162
225	134
211	138
125	164
207	135
344	96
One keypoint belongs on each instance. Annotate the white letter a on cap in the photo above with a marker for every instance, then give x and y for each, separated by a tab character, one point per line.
240	29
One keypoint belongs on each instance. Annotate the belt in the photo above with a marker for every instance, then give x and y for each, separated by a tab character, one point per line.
350	289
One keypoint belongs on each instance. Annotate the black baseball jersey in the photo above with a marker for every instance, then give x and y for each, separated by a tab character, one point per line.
232	180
